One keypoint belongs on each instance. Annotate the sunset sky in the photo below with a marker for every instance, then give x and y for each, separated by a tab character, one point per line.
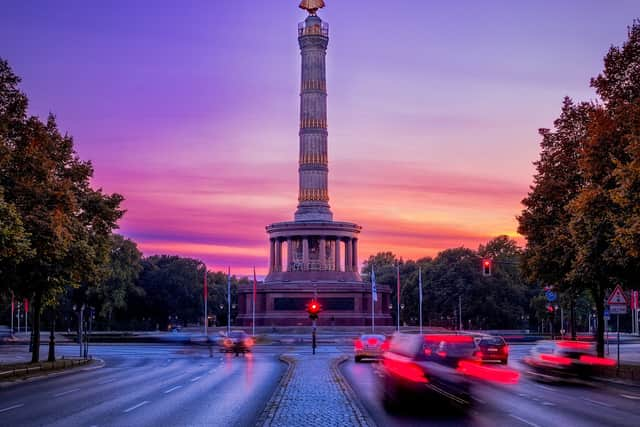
190	110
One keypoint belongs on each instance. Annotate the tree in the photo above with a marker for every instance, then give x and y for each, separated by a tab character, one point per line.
68	222
123	269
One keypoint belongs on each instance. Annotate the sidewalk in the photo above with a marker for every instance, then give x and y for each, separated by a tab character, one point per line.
312	394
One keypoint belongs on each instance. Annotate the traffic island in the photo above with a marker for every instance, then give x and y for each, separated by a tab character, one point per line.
313	392
22	371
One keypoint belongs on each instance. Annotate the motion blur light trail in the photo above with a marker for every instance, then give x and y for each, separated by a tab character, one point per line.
488	373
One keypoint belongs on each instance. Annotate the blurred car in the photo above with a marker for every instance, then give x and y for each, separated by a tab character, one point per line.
236	342
369	346
492	349
411	371
564	360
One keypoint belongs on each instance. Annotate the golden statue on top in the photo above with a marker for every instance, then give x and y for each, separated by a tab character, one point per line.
311	6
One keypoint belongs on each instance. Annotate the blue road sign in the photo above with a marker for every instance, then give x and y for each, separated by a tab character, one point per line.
606	314
551	296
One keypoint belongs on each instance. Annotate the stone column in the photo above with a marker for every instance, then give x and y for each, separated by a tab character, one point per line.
337	257
305	254
278	255
272	255
289	253
355	255
322	256
348	261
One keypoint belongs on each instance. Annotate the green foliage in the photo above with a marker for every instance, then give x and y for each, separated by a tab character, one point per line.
66	222
498	301
582	216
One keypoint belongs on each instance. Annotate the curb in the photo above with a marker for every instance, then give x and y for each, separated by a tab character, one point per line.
39	374
363	416
273	405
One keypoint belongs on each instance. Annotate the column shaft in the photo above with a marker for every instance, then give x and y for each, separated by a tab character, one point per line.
289	254
322	256
272	255
348	263
278	255
305	254
355	255
337	260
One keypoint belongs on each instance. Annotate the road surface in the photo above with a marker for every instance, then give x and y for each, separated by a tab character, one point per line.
527	403
148	385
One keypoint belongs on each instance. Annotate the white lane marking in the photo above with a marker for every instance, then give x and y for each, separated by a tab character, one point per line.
544	387
522	395
196	379
479	400
522	420
65	392
597	402
172	389
19	405
213	370
107	381
630	396
135	406
548	404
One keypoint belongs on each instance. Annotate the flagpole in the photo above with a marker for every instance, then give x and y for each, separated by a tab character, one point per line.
229	302
373	300
253	321
12	312
420	293
398	295
206	308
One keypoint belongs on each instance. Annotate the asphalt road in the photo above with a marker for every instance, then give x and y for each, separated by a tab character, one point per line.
528	403
148	385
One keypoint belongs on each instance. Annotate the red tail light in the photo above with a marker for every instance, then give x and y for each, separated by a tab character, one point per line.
248	342
505	349
358	344
574	344
372	341
483	372
227	342
428	352
442	353
479	354
597	361
558	360
385	346
406	370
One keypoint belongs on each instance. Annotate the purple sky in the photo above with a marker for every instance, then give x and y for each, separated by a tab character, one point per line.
189	109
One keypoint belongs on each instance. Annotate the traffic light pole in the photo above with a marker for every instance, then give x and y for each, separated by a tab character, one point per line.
313	338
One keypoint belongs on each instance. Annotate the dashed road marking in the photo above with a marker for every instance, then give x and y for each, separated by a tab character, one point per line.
19	405
172	389
522	420
196	378
65	392
544	387
597	402
548	404
135	407
630	396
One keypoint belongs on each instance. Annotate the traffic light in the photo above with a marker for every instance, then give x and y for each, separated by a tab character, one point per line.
486	266
313	309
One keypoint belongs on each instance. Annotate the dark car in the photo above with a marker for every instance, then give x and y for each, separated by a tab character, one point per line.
412	372
237	342
492	349
564	360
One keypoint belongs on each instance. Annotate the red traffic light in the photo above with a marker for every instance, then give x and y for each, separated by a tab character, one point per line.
314	307
486	267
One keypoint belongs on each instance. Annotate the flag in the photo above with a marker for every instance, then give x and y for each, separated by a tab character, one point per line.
26	305
374	292
206	290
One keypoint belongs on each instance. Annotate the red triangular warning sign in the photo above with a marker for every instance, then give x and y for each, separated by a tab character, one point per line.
617	297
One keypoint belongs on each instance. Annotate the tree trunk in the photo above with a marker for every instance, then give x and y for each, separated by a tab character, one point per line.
572	314
600	328
37	309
